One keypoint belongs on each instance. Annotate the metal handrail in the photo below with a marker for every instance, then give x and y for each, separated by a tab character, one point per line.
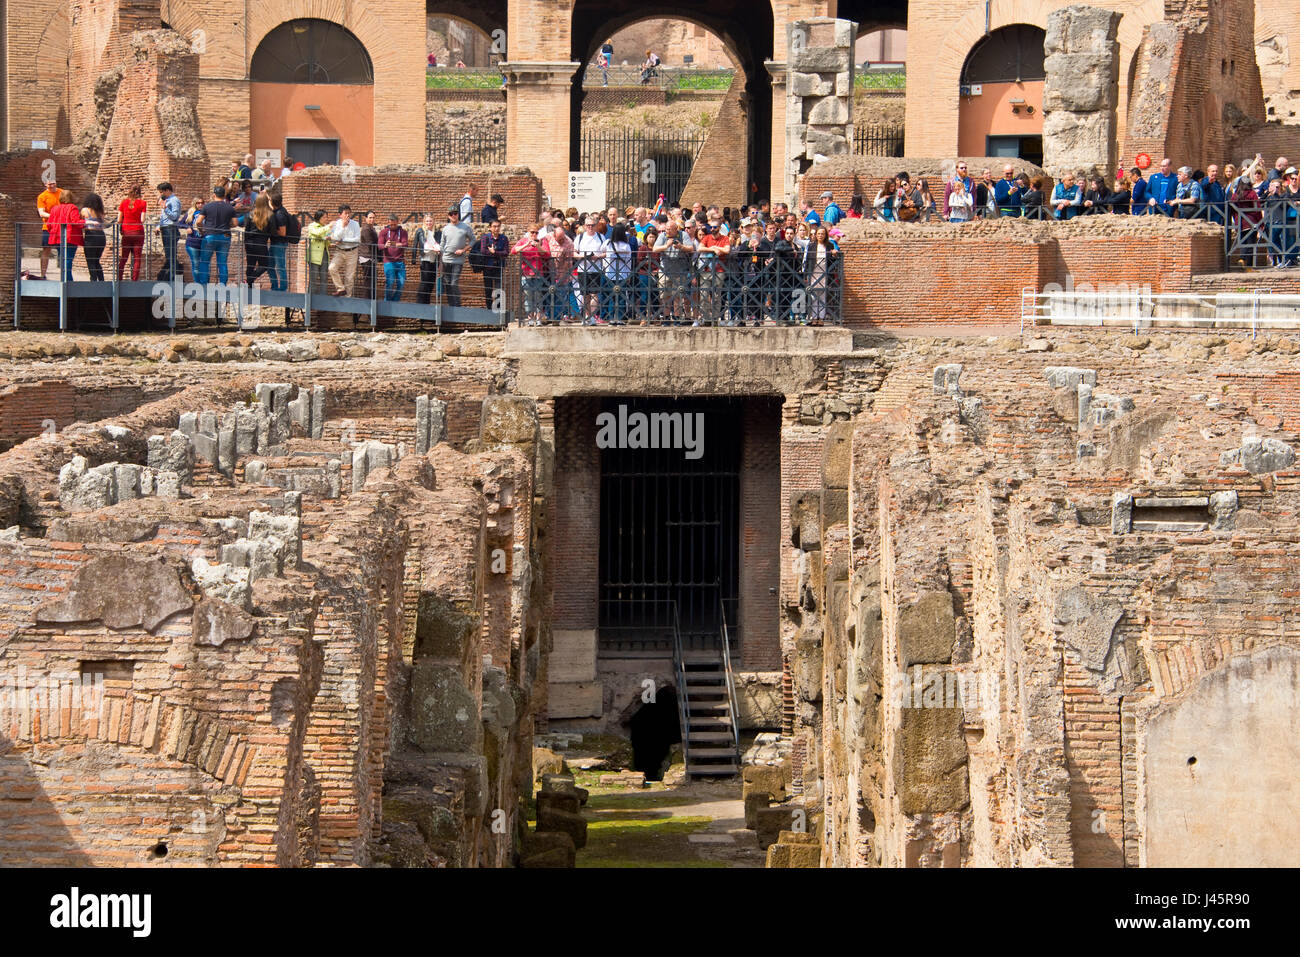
679	673
731	681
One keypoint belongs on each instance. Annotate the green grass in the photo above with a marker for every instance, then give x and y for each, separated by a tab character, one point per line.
462	80
644	842
701	81
880	81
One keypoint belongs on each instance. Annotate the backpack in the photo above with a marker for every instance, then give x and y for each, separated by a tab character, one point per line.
477	257
293	232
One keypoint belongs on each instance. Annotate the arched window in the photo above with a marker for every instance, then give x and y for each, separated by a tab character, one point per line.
1011	54
311	51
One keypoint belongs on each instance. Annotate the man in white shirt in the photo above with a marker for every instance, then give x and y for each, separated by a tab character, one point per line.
345	238
467	206
590	249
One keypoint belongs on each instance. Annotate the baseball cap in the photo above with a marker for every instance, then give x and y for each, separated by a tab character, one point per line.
453	211
827	194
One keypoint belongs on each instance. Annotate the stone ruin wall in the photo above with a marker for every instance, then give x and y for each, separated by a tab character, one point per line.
1016	522
326	668
301	652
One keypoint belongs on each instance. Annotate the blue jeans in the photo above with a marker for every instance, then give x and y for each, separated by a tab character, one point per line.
279	270
450	280
218	243
66	255
394	280
170	235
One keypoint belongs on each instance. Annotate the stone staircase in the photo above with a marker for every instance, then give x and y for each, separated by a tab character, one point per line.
711	739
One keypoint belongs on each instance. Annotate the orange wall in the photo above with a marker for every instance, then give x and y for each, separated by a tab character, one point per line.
347	113
989	114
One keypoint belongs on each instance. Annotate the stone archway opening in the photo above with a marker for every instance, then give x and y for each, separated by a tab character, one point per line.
739	141
1001	111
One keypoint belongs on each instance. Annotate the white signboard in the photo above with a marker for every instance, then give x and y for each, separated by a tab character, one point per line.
586	191
272	155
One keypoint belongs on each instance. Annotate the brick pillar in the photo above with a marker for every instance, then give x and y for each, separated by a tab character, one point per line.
537	121
760	544
399	104
777	187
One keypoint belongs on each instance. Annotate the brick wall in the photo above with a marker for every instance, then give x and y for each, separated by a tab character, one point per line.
717	177
577	514
760	527
408	190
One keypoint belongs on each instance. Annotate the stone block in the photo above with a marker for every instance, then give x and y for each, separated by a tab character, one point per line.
1121	513
317	411
808	84
1081	82
508	420
444	713
205	447
547	763
122	591
927	630
575	699
255	472
755	801
830	111
769	779
558	801
930	761
442	630
541	849
1069	377
226	451
837	455
1079	28
564	822
283	532
794	855
805	520
223	582
814	59
946	378
769	822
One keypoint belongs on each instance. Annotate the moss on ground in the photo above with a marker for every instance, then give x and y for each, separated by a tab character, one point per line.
644	842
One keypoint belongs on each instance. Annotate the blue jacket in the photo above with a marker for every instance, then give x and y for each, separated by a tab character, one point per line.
1162	189
833	213
1007	201
1141	193
1214	196
1074	194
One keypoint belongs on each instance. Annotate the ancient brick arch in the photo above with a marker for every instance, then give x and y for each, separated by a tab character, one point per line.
933	104
487	16
746	31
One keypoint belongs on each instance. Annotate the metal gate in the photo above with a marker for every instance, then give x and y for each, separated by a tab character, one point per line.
641	164
669	525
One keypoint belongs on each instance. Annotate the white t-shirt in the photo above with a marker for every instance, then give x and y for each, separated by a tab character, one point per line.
585	245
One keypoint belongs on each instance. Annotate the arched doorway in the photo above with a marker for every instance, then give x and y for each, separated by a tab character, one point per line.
1001	111
465	103
311	94
746	32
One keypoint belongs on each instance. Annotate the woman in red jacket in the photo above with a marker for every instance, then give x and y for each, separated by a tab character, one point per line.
65	232
130	219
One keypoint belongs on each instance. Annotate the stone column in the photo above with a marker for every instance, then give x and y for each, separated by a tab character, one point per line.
777	187
819	94
1081	90
537	121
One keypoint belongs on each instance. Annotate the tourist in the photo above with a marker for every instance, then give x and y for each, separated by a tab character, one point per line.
169	229
618	274
1121	198
45	203
216	219
492	209
130	219
426	246
606	57
676	252
532	274
711	270
318	254
1067	198
1213	195
392	241
818	273
257	239
591	248
367	252
1277	172
65	225
856	207
883	204
959	202
1096	198
1186	201
92	235
831	212
1140	192
1161	187
806	212
345	239
283	234
1033	200
466	207
194	235
494	247
1006	192
558	250
960	176
923	200
457	238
